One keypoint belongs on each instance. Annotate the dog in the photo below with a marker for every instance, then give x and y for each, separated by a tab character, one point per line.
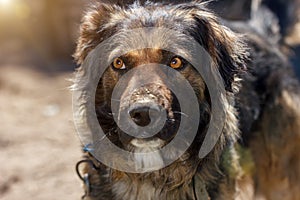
269	109
250	100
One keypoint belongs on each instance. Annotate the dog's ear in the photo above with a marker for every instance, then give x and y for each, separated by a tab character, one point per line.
226	48
92	29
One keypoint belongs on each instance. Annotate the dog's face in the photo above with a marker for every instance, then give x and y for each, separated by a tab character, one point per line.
187	21
150	99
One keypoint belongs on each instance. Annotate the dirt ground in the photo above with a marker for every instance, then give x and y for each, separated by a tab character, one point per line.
38	143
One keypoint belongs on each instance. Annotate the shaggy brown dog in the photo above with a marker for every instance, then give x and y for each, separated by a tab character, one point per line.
218	175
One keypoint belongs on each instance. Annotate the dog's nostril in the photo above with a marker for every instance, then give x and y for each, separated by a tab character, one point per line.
140	115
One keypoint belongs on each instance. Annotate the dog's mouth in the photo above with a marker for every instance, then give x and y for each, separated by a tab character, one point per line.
150	117
151	132
154	143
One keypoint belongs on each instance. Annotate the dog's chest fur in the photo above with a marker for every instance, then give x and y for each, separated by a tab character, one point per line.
134	190
129	190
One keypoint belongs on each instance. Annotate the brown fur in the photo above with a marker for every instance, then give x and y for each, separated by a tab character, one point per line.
276	149
276	138
268	105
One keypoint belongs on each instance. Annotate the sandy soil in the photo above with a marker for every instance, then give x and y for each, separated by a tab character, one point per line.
38	143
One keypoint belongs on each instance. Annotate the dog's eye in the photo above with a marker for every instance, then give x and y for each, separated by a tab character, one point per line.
118	63
176	63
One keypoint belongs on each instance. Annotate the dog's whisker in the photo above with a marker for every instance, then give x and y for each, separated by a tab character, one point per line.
171	120
181	113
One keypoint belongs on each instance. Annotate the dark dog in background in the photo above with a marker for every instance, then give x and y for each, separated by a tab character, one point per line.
266	109
269	101
269	109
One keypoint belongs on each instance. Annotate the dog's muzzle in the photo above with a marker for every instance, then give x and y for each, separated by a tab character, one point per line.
145	113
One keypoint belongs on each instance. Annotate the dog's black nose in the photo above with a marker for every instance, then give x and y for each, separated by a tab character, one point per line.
141	115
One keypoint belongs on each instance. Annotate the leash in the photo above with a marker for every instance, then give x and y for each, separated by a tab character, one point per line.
85	178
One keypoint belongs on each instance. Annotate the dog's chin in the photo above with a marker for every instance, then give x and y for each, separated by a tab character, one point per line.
153	143
147	153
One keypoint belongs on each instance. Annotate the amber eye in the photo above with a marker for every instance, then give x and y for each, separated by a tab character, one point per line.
176	63
118	63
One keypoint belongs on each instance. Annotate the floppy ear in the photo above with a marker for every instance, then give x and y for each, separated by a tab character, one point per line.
92	30
225	47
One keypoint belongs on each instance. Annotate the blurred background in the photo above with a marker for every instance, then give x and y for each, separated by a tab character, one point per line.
40	32
38	143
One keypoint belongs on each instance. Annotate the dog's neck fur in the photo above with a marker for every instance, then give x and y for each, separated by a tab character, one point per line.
172	182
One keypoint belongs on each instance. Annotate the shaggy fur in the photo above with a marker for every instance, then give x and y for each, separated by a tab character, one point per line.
219	174
269	110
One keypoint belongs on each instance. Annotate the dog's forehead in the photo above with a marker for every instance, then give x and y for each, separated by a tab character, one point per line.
145	55
152	26
150	43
